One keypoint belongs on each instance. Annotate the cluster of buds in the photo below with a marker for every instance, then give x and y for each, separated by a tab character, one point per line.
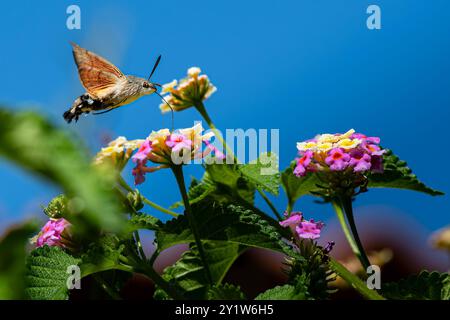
187	92
117	152
302	228
166	149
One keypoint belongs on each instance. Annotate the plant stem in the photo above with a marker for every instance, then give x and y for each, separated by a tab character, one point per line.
139	245
113	294
270	204
202	110
158	207
178	172
344	208
354	281
125	185
143	267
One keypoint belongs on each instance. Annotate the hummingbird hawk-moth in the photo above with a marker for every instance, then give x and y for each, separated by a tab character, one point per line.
107	88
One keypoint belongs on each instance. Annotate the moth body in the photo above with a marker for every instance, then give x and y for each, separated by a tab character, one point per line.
107	87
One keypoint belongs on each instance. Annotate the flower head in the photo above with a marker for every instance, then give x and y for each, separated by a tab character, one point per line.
167	148
188	91
347	152
52	233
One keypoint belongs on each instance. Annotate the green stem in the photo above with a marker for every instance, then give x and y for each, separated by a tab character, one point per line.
354	281
125	185
158	207
144	268
202	110
178	172
113	294
344	208
270	204
139	245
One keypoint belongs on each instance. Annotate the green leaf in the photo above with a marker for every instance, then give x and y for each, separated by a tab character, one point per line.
103	254
229	183
12	261
286	292
31	142
425	286
397	175
225	292
188	273
296	187
47	273
140	221
261	174
222	223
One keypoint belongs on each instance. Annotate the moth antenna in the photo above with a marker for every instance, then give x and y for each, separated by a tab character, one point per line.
168	104
154	67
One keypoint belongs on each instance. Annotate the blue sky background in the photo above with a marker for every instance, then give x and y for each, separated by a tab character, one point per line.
304	67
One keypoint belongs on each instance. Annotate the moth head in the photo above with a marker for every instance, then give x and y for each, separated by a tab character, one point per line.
147	87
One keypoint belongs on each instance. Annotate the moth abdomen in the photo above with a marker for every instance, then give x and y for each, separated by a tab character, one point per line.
83	104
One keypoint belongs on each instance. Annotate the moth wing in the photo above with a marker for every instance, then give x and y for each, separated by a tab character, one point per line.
97	75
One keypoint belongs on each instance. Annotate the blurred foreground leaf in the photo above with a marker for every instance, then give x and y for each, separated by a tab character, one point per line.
12	261
31	142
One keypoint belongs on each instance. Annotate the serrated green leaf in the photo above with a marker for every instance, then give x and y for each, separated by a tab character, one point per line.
225	292
397	175
47	273
296	187
263	175
425	286
229	182
286	292
12	261
140	221
222	223
33	143
188	273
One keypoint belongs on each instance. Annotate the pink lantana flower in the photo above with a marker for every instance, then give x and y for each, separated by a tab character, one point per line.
360	161
178	142
302	228
144	150
51	233
309	229
293	221
337	159
303	164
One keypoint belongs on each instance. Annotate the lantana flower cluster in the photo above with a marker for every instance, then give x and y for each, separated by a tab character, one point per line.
305	229
187	92
54	233
350	152
167	148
